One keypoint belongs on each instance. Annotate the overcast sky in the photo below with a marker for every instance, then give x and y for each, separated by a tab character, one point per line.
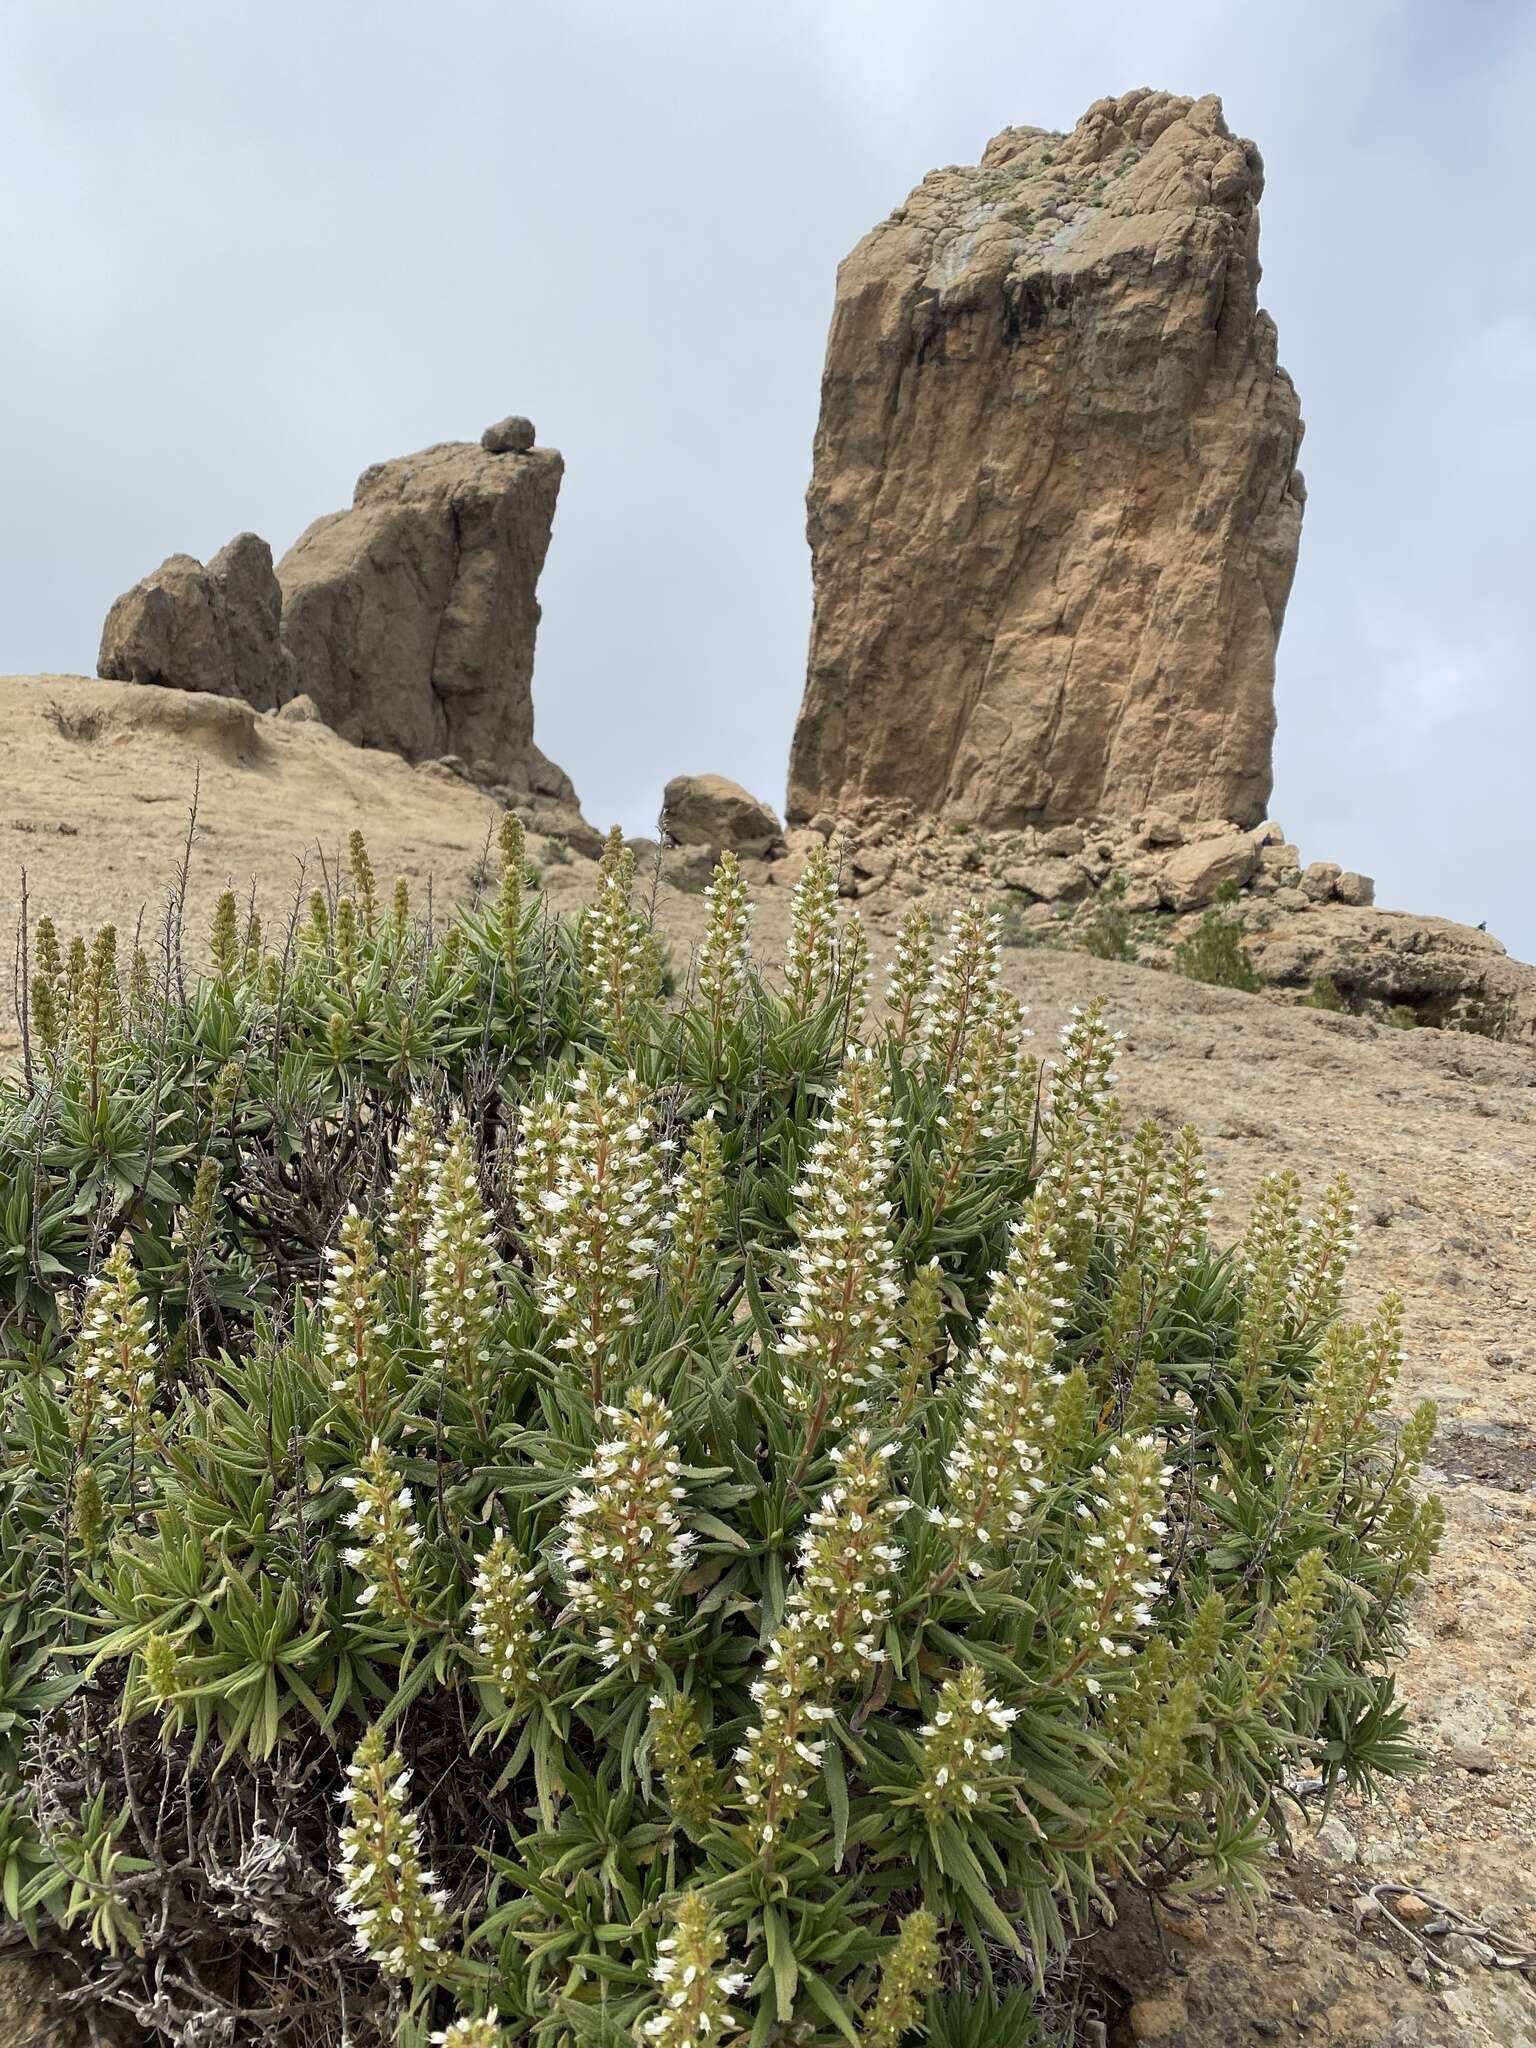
251	248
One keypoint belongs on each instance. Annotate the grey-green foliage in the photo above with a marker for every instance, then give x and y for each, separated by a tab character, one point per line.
764	1476
1214	952
1106	933
1325	994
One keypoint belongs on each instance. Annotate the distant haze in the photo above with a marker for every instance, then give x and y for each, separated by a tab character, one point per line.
250	250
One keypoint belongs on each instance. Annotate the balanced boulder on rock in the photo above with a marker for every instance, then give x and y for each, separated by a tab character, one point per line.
511	436
411	617
406	622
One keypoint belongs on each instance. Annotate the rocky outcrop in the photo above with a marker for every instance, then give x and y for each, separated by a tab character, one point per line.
1140	887
713	812
1055	510
213	627
1447	974
406	622
411	617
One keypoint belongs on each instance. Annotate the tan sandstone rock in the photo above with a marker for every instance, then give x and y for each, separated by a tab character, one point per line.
1450	974
213	627
1050	880
714	812
1190	877
1158	829
411	616
1055	509
1318	878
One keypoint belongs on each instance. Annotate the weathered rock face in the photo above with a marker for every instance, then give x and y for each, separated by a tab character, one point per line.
411	617
1055	510
1449	974
213	628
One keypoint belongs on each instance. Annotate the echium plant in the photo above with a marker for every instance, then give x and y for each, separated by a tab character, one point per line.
724	969
625	1545
595	1217
752	1508
840	1329
459	1268
619	952
112	1377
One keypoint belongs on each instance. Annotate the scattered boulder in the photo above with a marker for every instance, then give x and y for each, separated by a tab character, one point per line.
511	436
1280	858
300	710
1191	876
714	812
1356	890
213	627
411	617
1055	506
1062	839
1050	881
1141	894
1159	829
1318	878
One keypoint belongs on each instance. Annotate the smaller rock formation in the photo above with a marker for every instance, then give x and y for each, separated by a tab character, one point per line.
411	616
213	627
715	813
406	622
1448	974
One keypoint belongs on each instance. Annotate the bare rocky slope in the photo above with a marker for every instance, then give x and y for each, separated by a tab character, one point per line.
1437	1129
1055	508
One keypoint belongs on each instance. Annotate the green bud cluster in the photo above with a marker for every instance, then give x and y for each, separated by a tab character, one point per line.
810	955
908	1972
697	1195
910	978
504	1625
115	1357
392	1902
694	1990
388	1538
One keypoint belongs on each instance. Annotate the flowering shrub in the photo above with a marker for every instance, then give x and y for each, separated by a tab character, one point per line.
536	1513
